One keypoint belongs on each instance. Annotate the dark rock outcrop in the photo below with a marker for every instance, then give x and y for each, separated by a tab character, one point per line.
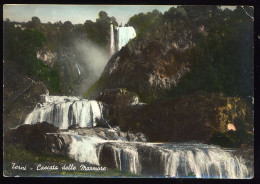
193	117
74	126
119	96
32	136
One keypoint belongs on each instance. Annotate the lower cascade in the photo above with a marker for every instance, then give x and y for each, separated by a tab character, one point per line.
158	159
65	111
107	146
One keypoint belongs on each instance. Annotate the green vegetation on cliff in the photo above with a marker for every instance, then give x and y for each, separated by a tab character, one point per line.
99	31
184	50
144	22
20	47
24	40
224	56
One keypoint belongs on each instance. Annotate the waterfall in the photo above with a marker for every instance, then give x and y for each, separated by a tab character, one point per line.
112	40
124	156
142	158
78	69
84	149
203	161
176	160
124	35
63	111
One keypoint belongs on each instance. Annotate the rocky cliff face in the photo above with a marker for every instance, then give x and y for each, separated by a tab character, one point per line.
20	95
193	117
154	62
151	63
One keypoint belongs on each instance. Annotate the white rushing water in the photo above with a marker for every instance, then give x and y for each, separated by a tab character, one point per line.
169	159
63	111
112	40
124	35
202	161
84	149
126	158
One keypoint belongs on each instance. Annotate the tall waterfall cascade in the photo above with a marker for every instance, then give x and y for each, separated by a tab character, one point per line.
63	111
112	40
123	36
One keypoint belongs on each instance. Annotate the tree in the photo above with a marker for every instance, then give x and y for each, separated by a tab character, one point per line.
99	31
143	22
226	62
36	20
103	15
67	24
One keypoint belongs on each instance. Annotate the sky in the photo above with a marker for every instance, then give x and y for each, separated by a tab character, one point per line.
77	14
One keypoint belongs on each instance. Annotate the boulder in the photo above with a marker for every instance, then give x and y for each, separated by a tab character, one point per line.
119	97
32	136
74	126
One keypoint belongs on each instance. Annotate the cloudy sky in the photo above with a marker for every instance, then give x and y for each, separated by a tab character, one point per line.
76	13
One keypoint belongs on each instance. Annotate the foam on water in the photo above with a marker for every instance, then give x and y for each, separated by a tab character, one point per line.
84	149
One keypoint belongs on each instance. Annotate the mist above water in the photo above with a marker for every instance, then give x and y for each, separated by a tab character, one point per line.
86	60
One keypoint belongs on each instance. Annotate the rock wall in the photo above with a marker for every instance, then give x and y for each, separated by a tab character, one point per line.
188	118
153	62
20	95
